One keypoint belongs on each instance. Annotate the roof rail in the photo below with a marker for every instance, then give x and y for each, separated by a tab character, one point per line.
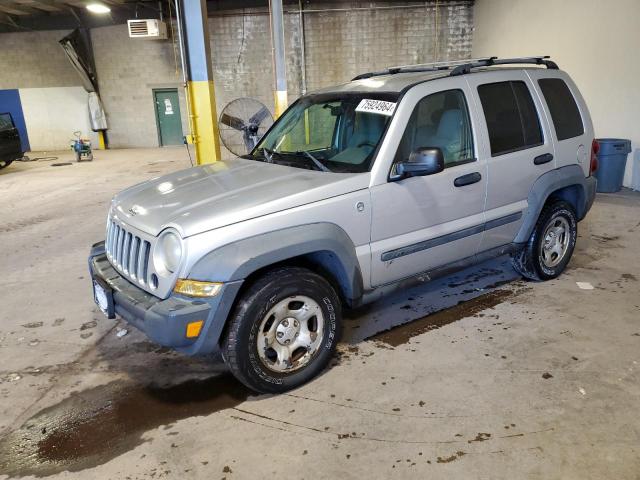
488	62
459	67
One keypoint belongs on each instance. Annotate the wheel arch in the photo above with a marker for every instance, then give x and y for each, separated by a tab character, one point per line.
324	248
565	183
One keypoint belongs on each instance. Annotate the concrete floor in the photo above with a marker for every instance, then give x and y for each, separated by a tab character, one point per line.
519	380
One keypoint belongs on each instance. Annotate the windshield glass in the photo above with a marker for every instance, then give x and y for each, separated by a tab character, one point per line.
328	132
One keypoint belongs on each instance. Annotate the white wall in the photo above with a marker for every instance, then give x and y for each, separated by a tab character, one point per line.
53	114
596	41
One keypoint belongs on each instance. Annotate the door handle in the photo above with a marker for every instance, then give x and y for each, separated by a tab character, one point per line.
540	159
468	179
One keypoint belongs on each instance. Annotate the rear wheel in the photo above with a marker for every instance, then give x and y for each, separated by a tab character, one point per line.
549	249
283	331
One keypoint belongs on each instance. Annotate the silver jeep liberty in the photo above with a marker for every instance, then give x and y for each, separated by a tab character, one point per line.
409	172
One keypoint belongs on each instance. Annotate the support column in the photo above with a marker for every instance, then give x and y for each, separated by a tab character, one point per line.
277	47
200	81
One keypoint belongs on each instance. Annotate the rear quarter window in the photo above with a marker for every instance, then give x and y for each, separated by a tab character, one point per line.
562	107
512	119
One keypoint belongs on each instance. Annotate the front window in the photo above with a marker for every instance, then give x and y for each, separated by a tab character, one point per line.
440	120
329	132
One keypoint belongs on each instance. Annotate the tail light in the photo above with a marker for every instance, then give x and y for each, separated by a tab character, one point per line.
595	148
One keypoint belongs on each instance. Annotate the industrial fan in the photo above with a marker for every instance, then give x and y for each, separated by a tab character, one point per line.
242	123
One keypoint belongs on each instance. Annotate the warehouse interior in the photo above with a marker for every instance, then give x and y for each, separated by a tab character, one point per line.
476	374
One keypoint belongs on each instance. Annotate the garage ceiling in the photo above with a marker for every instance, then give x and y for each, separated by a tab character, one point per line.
28	15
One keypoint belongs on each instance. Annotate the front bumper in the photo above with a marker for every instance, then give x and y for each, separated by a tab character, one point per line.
165	321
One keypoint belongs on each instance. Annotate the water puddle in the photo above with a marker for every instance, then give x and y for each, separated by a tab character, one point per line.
401	334
94	426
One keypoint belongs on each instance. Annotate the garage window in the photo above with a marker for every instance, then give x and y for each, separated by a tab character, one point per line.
562	106
512	119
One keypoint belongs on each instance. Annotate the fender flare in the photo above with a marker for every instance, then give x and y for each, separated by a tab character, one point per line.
326	243
569	176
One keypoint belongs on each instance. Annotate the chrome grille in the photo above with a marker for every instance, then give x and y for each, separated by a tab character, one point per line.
128	253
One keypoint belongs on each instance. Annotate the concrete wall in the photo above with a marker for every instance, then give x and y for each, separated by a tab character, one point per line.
53	114
342	39
128	71
596	42
35	59
53	100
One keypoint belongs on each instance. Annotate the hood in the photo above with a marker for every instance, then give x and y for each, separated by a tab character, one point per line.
219	194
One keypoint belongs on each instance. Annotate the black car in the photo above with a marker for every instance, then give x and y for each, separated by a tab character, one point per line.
10	147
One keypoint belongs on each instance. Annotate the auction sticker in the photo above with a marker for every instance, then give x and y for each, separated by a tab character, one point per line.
376	106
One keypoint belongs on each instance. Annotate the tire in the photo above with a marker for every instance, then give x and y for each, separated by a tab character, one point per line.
549	249
289	309
5	163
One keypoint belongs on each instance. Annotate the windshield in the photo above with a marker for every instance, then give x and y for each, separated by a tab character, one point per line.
328	132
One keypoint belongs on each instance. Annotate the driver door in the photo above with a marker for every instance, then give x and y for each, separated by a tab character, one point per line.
420	223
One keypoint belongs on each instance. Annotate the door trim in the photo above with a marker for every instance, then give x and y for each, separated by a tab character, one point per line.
449	237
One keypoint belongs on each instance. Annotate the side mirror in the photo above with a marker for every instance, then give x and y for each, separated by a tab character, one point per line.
422	161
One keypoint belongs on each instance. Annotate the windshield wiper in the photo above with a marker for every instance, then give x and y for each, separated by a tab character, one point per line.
268	155
315	161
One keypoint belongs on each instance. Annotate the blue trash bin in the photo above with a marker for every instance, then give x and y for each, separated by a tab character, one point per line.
612	160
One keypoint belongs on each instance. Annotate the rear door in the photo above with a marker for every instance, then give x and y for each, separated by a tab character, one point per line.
518	149
10	148
569	123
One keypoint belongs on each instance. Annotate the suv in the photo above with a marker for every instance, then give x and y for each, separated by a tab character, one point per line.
10	148
408	173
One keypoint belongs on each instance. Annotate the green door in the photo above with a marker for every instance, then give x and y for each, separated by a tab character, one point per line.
168	116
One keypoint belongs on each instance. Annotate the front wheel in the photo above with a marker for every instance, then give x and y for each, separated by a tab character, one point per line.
549	249
283	331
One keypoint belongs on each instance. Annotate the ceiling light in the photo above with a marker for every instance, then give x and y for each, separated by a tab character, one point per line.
98	8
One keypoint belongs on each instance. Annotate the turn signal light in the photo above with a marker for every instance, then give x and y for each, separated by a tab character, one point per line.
196	288
193	328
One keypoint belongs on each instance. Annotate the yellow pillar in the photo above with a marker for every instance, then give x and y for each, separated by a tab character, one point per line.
282	102
200	90
102	145
204	121
279	64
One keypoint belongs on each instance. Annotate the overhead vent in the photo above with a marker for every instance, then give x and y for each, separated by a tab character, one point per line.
153	29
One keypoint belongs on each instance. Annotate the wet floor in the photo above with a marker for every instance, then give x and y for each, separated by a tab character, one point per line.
94	426
402	334
452	297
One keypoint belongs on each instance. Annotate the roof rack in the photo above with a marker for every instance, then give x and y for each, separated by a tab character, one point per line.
488	62
460	67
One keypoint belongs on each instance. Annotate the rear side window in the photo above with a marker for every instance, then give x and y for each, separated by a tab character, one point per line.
5	121
562	106
511	116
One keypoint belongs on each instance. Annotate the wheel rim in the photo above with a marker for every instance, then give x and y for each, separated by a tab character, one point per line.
290	334
555	242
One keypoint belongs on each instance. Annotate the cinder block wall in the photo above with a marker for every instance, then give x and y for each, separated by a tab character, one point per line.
35	59
341	39
128	71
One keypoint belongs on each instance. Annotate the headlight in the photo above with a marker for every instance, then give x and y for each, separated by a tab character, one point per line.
167	253
196	288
